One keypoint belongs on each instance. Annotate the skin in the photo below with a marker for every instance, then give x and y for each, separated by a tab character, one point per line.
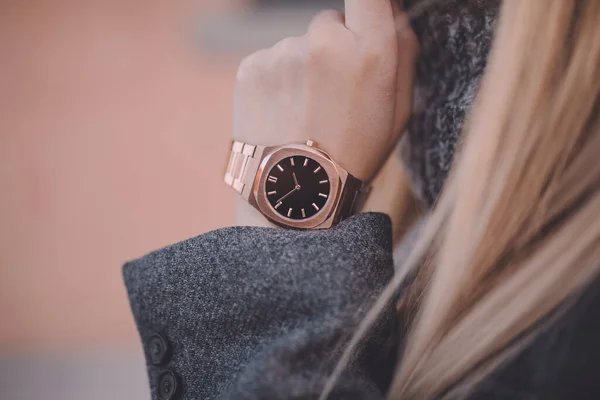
347	84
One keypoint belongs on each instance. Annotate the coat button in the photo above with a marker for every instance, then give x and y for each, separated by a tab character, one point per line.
159	349
168	385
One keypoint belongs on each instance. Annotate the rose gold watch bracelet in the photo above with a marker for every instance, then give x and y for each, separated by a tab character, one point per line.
243	165
241	160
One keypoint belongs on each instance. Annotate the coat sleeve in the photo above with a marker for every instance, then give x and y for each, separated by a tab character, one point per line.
258	313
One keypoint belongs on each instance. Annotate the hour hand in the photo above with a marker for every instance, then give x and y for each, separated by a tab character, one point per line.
296	180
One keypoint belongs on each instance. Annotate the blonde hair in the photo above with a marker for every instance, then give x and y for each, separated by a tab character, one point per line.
516	233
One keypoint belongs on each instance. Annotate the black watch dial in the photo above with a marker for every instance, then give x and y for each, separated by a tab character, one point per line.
298	187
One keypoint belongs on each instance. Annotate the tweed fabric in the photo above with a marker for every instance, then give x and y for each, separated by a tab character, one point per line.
239	304
262	314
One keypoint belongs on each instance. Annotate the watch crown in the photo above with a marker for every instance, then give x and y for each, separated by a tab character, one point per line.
310	143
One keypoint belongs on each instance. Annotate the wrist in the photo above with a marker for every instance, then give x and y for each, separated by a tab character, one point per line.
246	215
349	153
317	175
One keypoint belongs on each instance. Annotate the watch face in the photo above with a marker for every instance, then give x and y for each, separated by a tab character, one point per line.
298	187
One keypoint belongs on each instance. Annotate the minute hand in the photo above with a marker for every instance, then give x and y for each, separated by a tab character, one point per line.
287	195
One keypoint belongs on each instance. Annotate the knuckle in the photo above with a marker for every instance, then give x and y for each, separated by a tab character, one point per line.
319	49
284	46
316	21
379	52
245	69
249	67
288	52
376	56
324	19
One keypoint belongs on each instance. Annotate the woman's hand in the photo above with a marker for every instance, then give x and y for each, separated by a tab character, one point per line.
347	84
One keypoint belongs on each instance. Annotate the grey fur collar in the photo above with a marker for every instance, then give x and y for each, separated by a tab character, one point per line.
456	37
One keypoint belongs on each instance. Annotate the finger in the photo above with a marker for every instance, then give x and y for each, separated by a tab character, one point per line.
408	50
369	17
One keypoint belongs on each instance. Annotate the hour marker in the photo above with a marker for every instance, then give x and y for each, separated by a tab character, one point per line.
278	205
292	162
290	212
303	213
272	179
323	195
272	193
317	170
305	162
316	207
280	167
324	182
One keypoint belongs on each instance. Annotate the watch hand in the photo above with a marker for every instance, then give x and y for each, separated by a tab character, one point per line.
287	195
296	180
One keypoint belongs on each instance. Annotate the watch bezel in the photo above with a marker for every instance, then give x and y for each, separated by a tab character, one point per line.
276	155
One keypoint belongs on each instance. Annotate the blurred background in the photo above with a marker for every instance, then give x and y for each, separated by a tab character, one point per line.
115	120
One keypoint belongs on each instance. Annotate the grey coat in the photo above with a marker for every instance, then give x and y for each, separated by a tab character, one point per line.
255	313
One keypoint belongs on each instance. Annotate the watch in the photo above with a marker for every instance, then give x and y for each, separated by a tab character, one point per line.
296	185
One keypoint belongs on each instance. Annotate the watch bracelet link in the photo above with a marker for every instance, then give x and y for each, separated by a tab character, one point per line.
239	160
353	198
